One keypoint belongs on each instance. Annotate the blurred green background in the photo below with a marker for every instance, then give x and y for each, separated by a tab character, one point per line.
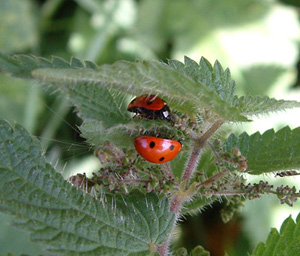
257	39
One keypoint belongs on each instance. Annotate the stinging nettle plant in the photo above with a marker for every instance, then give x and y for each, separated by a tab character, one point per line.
130	206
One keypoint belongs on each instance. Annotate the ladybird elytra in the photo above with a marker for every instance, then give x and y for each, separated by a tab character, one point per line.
157	150
149	106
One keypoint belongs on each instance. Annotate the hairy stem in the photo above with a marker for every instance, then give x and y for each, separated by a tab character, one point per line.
199	144
214	178
167	171
177	200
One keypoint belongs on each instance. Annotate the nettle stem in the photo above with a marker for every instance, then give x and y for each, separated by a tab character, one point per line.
196	153
178	199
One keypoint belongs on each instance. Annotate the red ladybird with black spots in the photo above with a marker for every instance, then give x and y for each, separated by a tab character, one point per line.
149	106
157	150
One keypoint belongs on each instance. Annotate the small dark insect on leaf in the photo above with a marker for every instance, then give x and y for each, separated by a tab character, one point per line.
288	173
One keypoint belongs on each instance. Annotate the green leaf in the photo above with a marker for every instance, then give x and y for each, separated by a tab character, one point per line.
123	134
18	25
250	106
22	65
219	81
97	135
199	251
181	252
187	87
268	152
198	203
287	242
92	103
153	77
213	77
98	103
62	218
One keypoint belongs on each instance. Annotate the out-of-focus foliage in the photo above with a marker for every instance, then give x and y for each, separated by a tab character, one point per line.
291	2
20	101
18	27
258	40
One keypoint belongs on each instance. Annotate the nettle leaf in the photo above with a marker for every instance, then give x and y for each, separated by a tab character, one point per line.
219	80
22	65
250	105
98	103
213	77
284	243
197	204
268	152
92	103
62	218
123	134
153	77
186	87
97	135
197	251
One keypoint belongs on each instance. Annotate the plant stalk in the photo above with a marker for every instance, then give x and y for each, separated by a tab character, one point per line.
177	200
192	164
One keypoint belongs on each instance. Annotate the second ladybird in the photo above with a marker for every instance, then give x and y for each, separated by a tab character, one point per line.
157	150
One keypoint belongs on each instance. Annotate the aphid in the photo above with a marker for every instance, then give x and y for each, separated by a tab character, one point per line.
287	173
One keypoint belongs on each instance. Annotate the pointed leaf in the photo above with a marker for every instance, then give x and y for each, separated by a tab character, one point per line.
250	106
93	103
22	65
199	251
123	134
287	242
62	218
213	77
96	104
151	77
183	93
268	152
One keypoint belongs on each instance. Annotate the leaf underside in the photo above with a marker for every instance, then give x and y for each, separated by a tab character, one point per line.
287	242
153	77
98	91
181	91
92	103
251	106
123	134
62	218
268	152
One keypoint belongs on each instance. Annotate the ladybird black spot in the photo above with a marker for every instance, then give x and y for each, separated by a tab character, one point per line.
132	101
152	144
172	147
161	159
149	102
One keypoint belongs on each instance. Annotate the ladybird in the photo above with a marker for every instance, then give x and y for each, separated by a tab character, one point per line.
150	107
157	150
